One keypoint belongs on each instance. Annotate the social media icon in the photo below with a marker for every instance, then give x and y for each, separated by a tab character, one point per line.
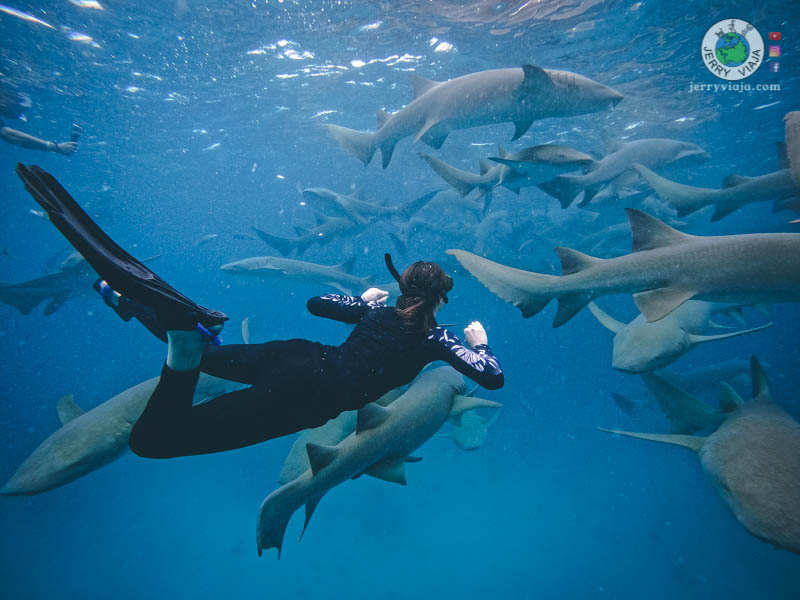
774	67
774	51
774	35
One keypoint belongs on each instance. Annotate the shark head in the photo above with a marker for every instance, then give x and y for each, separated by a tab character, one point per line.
579	95
692	151
259	264
643	349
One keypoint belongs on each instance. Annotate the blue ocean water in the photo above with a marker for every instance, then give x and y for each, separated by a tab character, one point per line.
202	120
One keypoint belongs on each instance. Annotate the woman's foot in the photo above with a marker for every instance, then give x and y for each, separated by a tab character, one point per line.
186	347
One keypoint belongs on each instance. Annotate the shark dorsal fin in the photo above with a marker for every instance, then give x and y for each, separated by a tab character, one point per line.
320	456
729	400
535	79
649	232
421	85
605	319
693	442
760	386
612	143
462	404
381	116
485	165
573	261
347	266
733	180
371	416
67	409
392	470
686	413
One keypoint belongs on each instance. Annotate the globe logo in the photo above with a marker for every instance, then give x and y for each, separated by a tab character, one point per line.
732	49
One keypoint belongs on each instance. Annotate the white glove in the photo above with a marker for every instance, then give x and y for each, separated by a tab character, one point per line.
375	295
475	334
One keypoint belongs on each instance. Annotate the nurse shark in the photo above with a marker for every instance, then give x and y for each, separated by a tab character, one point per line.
665	269
737	191
382	443
518	95
90	440
640	346
753	459
651	152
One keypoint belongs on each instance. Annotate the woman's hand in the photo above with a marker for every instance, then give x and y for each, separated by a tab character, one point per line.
375	295
475	334
65	148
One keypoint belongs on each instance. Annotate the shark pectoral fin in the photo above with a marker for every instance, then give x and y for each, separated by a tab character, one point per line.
311	506
392	470
657	304
371	416
421	85
699	339
729	400
67	409
429	124
320	456
570	305
692	442
605	319
520	127
462	404
649	233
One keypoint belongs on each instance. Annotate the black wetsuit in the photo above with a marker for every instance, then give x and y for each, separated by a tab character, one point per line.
298	384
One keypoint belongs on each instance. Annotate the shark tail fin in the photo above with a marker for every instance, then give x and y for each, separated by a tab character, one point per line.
273	517
686	413
692	442
530	292
358	143
410	208
460	180
281	244
564	188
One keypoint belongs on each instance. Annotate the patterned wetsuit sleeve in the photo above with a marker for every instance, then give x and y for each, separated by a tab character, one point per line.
479	364
348	309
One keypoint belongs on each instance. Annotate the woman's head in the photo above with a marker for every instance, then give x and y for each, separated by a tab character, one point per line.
423	287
